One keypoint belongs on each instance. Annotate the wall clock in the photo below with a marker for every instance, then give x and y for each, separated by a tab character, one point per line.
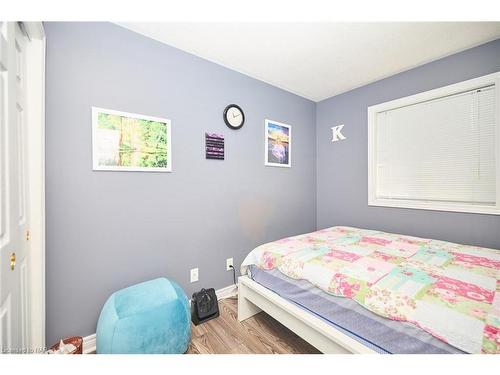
234	116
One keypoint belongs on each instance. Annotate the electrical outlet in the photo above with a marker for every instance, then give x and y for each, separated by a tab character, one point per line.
194	275
229	263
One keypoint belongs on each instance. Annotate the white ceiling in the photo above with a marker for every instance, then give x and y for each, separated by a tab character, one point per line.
319	60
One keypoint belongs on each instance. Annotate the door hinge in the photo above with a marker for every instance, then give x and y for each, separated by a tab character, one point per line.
27	235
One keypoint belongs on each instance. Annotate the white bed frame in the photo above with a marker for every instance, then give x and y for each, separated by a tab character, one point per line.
254	298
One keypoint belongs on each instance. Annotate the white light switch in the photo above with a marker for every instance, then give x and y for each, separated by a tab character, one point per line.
194	275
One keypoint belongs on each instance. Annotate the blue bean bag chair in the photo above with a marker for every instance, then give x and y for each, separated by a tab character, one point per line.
150	317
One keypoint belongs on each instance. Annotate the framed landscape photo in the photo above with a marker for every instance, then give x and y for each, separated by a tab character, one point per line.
278	144
124	141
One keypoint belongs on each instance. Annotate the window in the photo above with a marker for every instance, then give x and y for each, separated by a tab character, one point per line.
437	150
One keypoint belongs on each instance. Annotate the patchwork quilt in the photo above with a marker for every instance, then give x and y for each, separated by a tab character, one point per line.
451	291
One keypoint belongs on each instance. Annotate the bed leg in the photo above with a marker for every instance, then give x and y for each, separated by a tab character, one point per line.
246	309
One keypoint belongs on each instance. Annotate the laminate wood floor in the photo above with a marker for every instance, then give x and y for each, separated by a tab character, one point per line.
259	334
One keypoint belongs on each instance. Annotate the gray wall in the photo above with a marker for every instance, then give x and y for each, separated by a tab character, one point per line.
342	167
108	230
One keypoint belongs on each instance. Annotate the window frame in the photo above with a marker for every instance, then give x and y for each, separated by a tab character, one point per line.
490	79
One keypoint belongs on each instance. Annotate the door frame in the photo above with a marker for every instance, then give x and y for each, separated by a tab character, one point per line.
35	101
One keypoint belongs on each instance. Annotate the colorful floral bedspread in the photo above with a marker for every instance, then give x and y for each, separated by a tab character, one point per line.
451	291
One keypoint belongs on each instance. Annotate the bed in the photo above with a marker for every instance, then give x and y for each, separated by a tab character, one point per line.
351	290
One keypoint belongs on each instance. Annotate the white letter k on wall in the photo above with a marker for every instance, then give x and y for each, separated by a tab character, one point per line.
336	133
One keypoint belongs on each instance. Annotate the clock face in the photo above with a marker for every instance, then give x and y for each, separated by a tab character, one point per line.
234	116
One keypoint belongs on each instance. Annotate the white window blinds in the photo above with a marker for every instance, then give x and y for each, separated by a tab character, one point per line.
441	150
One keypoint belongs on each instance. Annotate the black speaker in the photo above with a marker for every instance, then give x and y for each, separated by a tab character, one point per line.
204	306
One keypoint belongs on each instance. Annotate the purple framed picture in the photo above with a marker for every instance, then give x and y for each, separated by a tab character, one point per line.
214	146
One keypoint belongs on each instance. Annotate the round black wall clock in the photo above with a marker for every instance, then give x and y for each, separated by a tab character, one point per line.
234	116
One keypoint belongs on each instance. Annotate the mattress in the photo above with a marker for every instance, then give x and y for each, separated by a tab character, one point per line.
378	333
445	289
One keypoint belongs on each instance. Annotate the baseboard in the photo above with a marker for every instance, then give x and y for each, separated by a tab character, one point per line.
89	342
228	291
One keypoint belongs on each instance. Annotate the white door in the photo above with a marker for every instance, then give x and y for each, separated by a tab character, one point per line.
14	213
